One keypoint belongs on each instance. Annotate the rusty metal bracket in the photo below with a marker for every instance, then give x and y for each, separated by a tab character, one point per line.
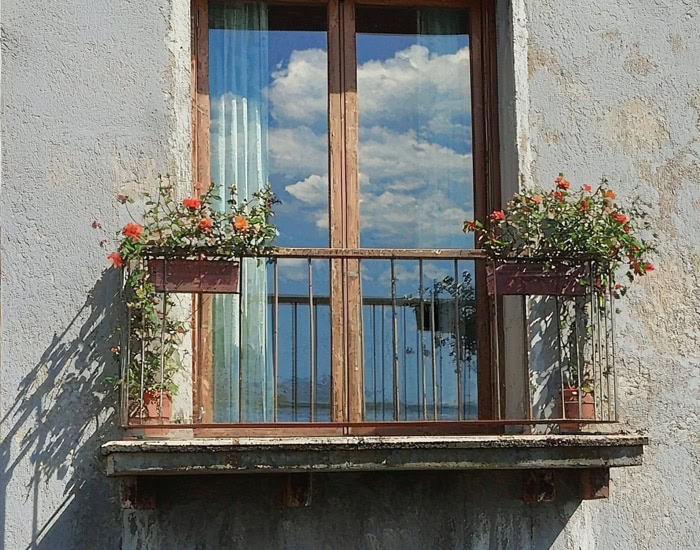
296	490
539	486
137	493
595	483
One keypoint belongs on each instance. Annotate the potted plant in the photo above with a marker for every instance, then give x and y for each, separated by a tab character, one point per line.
564	242
188	246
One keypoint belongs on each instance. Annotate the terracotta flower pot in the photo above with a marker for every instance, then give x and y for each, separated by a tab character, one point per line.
207	276
152	414
569	405
536	279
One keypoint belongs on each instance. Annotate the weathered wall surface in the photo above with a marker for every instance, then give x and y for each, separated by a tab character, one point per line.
613	90
90	103
95	98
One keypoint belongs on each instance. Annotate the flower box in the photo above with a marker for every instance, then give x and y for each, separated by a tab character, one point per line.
197	275
537	279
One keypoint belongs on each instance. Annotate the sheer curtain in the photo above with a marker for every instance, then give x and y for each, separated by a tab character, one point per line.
238	57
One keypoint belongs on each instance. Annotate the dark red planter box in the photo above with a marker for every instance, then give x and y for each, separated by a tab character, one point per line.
521	278
208	276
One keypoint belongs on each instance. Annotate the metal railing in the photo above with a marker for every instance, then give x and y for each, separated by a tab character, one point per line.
371	338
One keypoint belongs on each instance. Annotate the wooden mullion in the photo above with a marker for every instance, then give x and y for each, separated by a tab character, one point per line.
336	212
202	356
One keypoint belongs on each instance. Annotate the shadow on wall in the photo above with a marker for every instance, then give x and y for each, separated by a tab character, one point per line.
62	412
374	510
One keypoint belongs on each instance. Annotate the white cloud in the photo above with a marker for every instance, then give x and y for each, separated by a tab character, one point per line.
298	94
312	190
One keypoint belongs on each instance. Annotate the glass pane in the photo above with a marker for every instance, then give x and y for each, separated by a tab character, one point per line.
269	104
419	340
415	151
268	92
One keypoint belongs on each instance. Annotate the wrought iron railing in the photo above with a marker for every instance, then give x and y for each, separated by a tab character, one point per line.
374	341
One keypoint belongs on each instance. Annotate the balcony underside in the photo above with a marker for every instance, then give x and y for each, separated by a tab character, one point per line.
348	454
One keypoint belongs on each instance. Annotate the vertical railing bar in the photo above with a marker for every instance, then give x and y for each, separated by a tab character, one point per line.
125	354
315	385
432	353
612	342
162	338
312	343
395	343
143	350
559	350
594	336
458	346
579	369
374	358
420	332
275	337
241	305
603	297
383	367
295	366
405	366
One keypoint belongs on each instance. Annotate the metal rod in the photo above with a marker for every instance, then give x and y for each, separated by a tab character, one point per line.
275	336
458	346
379	253
242	303
405	367
579	367
603	299
295	366
143	352
315	384
395	343
612	346
374	358
432	354
420	332
560	355
383	366
312	350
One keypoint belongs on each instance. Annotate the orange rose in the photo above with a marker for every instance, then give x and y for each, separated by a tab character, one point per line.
191	203
115	259
240	223
537	199
583	205
562	183
132	231
620	218
609	195
205	225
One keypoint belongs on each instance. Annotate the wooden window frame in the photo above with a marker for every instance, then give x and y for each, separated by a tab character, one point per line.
347	399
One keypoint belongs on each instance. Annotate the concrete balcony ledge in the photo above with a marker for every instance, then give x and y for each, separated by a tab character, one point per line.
374	453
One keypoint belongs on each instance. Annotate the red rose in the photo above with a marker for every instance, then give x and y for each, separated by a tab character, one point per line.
558	195
205	225
620	218
191	203
562	183
648	267
537	199
587	188
132	231
498	215
115	259
471	226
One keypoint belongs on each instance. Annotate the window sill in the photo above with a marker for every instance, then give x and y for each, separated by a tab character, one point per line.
376	453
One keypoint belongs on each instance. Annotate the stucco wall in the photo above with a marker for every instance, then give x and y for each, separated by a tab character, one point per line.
95	98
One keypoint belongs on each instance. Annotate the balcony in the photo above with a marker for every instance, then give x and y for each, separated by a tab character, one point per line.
370	342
